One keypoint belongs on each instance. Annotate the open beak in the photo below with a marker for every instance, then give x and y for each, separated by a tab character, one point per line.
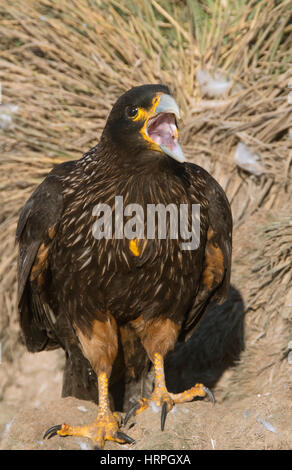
162	129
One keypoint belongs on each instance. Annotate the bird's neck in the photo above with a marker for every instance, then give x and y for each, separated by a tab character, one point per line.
151	177
141	163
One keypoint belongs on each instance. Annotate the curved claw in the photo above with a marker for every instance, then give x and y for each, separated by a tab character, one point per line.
119	435
131	412
52	431
125	437
163	415
209	393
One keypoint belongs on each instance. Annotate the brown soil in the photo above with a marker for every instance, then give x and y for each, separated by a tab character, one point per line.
256	422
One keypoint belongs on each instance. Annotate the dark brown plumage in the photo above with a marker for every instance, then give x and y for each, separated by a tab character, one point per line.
102	299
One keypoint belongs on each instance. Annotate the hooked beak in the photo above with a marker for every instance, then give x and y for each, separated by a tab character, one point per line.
162	129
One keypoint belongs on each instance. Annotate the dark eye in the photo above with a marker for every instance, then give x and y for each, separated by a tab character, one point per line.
132	111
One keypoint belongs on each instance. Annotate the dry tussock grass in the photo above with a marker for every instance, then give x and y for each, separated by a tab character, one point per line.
266	275
64	64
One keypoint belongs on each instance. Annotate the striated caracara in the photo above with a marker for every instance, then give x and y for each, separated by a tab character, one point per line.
106	282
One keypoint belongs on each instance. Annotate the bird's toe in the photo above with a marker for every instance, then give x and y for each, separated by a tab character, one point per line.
52	431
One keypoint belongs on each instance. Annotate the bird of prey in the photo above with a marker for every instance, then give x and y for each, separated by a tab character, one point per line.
119	296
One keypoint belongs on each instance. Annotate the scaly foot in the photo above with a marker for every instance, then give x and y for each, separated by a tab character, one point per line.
104	428
161	397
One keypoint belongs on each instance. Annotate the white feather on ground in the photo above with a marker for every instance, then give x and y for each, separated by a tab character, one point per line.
212	86
247	160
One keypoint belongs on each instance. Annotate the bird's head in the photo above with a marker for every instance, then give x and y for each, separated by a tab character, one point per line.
145	118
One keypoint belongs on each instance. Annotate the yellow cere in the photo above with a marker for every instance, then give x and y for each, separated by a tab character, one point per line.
144	115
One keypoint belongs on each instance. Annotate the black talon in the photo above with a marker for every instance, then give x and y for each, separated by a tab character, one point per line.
210	394
52	431
130	412
163	415
122	435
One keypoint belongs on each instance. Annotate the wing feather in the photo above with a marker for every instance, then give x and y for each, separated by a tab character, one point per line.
39	216
215	279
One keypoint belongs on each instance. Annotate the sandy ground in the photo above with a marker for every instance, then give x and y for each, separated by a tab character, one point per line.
258	419
258	422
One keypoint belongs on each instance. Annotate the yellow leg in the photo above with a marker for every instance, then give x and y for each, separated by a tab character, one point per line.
161	396
104	428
